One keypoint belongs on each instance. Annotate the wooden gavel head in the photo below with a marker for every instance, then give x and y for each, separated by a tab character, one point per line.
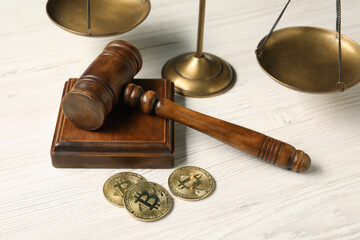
99	88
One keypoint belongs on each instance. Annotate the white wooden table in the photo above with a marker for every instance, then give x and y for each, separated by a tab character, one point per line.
252	199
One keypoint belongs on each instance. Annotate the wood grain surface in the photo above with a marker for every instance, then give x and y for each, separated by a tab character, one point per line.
252	199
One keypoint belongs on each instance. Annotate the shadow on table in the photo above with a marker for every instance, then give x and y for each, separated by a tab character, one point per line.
315	169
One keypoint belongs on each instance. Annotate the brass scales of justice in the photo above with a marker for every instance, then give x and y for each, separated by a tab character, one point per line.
307	59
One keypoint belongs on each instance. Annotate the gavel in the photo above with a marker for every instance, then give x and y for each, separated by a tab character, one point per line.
108	79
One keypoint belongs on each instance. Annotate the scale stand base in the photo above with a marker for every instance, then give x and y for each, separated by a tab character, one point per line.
203	76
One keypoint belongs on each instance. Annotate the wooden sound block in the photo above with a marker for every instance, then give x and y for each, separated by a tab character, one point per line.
128	139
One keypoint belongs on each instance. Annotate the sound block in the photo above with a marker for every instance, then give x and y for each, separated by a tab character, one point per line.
128	138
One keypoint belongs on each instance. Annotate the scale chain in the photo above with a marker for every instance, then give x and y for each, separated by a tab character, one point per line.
340	84
274	26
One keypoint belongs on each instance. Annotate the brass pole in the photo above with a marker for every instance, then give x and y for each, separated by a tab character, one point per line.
199	74
200	40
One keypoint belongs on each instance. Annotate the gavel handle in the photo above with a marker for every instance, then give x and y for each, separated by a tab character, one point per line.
257	144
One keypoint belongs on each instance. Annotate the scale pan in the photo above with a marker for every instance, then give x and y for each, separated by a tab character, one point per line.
306	59
107	17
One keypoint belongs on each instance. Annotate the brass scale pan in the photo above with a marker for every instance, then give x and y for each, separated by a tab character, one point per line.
310	59
97	17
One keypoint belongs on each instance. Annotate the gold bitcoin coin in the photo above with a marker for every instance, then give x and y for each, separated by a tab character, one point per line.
147	201
191	183
115	187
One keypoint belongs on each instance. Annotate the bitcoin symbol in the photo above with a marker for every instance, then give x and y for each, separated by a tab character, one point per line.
190	182
147	201
120	186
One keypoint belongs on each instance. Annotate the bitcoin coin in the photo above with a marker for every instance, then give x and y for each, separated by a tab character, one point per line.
191	183
147	201
115	187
